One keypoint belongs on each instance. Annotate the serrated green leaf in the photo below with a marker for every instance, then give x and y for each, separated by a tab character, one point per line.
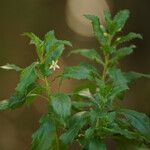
53	47
61	104
44	138
82	71
139	121
119	84
131	76
122	52
96	144
18	98
121	80
78	121
108	19
126	79
127	38
54	53
28	76
120	20
118	78
116	92
50	40
37	42
97	29
11	67
89	53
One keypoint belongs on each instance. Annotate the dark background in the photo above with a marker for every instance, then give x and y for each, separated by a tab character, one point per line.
40	16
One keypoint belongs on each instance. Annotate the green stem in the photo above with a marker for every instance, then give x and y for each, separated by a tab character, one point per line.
57	140
43	97
104	74
47	87
105	69
97	123
48	91
106	60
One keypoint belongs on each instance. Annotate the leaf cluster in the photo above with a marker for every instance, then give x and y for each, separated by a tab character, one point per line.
88	115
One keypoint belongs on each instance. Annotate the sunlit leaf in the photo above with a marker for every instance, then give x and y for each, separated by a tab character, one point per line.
4	104
11	67
85	93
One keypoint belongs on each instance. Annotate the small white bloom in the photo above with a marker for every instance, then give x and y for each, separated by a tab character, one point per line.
54	65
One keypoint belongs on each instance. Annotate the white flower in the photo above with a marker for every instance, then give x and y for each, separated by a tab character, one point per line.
54	65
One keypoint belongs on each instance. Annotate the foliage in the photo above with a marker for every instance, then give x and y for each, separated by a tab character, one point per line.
88	115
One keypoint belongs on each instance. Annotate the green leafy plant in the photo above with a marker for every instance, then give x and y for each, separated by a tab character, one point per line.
88	115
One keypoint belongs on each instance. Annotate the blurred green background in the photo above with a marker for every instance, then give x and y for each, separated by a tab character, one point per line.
65	17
